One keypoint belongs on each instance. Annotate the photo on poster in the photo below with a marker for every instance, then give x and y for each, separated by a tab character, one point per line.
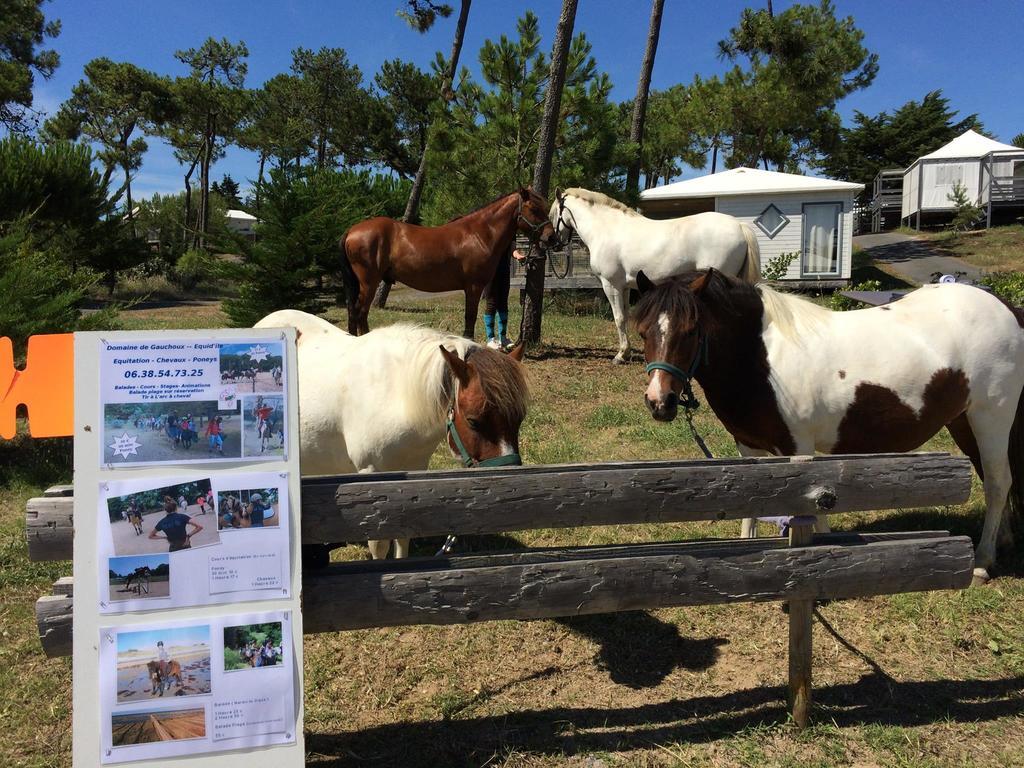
263	426
253	646
140	577
164	519
173	432
248	508
174	661
158	725
252	367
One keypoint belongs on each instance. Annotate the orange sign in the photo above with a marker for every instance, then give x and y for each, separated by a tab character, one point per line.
46	386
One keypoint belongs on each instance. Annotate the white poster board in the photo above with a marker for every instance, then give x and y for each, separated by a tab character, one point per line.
187	534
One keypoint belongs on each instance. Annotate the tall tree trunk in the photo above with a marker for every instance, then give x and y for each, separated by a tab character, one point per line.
714	157
534	295
204	226
188	196
259	181
128	192
412	205
643	89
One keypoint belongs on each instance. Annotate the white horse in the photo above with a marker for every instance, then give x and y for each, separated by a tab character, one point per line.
622	242
788	377
383	401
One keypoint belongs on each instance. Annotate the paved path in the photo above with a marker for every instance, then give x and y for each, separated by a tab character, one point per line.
912	258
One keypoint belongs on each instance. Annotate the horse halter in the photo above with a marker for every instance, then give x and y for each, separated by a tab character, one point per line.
688	400
508	460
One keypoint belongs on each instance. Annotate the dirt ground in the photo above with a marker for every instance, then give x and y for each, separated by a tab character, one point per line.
264	383
128	542
156	446
147	727
157	588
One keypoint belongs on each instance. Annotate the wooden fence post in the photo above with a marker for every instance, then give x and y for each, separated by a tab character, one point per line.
801	534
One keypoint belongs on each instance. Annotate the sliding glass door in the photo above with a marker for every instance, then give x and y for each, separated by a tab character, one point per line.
821	239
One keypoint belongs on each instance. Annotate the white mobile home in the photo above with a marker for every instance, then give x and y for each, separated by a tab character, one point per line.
240	222
990	171
806	215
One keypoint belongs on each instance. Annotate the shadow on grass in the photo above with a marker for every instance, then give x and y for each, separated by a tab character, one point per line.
873	699
555	352
643	664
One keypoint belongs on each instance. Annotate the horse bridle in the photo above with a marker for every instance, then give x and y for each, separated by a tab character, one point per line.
534	230
570	227
688	400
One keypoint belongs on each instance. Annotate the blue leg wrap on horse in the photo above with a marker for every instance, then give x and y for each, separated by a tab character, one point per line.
502	324
489	325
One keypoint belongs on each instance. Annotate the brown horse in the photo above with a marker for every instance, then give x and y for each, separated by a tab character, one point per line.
161	678
460	255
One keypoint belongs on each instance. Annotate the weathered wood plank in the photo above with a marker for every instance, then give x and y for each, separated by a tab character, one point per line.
360	507
65	586
476	502
49	527
568	588
53	618
328	593
801	534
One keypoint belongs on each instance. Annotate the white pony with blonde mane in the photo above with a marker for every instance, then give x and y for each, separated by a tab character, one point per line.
380	402
622	242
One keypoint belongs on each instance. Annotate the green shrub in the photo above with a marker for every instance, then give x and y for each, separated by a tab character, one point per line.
966	214
302	216
839	303
195	268
41	292
1006	285
777	266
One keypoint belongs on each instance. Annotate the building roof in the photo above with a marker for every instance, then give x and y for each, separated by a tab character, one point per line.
970	144
238	215
747	181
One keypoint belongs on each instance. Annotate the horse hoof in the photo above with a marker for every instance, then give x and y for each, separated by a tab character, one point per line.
618	360
981	577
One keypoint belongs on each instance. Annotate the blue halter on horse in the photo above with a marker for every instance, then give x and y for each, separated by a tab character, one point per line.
509	459
688	400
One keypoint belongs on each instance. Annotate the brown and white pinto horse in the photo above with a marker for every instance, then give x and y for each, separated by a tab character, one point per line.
461	255
786	376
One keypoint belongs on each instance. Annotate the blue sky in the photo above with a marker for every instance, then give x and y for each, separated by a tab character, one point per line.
147	639
970	49
125	565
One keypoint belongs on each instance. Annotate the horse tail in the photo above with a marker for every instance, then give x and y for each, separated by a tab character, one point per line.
751	271
1015	455
349	278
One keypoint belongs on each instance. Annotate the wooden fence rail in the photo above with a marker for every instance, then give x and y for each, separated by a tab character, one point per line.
390	505
552	582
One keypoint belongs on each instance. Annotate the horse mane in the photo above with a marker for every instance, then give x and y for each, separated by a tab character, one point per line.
677	300
792	315
599	198
503	383
485	205
428	381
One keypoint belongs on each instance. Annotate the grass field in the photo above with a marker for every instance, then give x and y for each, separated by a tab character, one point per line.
1000	249
934	679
